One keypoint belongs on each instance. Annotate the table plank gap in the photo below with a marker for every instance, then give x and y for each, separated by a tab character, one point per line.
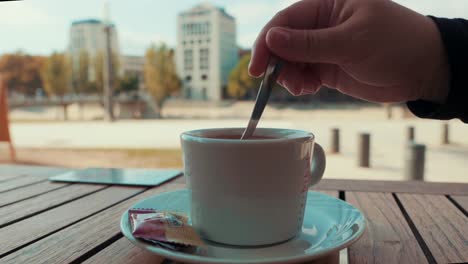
388	238
414	229
33	229
97	249
8	177
20	182
28	208
75	240
461	202
443	226
122	252
19	195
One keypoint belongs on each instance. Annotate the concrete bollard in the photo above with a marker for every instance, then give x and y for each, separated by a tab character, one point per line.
335	141
410	134
364	150
445	134
415	161
389	110
65	112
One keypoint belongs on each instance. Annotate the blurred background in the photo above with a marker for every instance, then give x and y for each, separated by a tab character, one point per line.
114	83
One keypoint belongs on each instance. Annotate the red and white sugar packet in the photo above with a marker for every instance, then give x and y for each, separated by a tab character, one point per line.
165	227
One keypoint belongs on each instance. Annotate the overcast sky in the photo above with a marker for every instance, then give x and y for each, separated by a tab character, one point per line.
41	26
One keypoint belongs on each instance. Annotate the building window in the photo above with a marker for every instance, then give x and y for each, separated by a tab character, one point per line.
204	59
204	95
199	41
188	92
188	78
204	77
188	59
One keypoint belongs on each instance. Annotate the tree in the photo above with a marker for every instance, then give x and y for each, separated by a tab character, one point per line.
55	74
239	82
128	83
160	74
99	71
21	72
80	73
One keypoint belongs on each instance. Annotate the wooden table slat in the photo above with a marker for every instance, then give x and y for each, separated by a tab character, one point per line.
331	193
28	191
394	186
45	201
6	169
21	181
443	227
123	251
7	177
72	242
462	201
388	238
32	228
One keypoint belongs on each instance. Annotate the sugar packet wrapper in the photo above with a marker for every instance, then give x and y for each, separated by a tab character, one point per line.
166	229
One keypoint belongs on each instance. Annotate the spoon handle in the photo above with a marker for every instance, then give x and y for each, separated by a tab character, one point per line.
268	82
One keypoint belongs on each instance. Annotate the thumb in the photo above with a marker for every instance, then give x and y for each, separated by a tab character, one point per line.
309	46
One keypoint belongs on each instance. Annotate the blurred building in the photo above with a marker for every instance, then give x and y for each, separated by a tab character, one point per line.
88	35
133	65
206	51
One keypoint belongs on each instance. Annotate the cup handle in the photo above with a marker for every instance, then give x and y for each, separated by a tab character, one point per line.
318	164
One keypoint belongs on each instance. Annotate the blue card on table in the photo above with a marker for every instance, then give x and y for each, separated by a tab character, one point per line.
139	177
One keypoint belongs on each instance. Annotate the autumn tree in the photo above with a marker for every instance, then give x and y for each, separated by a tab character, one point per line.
240	83
160	74
128	83
55	74
80	73
21	72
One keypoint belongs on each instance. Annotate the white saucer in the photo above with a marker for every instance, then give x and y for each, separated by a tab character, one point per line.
329	225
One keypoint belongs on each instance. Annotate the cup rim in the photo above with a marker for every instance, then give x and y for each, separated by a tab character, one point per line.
283	134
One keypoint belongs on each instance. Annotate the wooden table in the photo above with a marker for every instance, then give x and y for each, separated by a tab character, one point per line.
44	222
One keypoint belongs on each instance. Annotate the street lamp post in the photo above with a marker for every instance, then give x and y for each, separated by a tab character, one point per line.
107	71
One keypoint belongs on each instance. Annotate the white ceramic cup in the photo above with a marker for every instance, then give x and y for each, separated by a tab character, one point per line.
250	192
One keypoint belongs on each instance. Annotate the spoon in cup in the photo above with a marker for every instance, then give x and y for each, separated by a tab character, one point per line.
269	79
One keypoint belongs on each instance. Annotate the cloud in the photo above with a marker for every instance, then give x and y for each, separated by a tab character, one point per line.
134	42
445	8
23	14
252	16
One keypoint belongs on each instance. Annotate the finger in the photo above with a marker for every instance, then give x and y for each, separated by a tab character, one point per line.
303	14
334	77
309	46
299	78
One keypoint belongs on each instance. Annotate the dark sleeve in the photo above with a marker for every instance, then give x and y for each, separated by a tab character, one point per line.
454	33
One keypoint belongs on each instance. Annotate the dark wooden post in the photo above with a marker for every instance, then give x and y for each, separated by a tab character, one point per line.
388	110
415	161
364	150
445	134
410	134
65	112
335	141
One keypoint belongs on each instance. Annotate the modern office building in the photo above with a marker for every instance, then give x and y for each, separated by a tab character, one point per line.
88	35
206	51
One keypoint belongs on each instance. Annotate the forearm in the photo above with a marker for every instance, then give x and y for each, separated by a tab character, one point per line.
454	35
